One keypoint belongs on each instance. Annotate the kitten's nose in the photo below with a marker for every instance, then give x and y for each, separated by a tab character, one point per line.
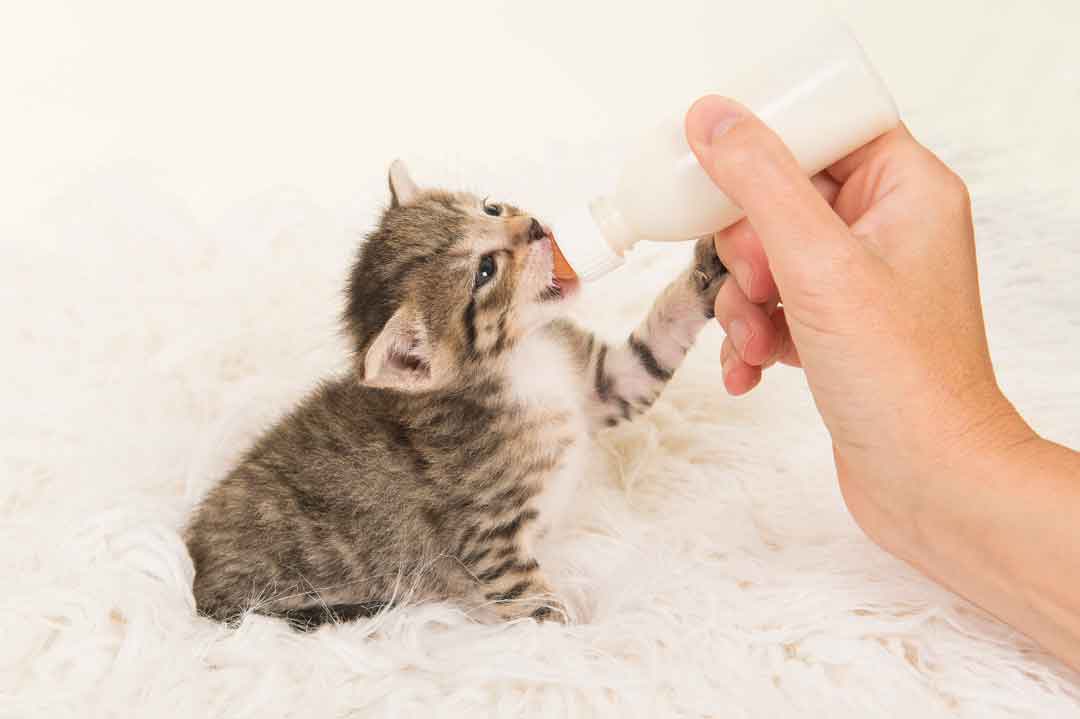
536	231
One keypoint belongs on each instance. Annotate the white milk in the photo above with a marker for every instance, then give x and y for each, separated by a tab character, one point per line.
819	94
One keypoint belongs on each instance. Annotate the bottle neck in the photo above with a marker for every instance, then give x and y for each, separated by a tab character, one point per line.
614	228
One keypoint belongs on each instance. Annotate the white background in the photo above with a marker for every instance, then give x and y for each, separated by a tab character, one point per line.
216	101
182	186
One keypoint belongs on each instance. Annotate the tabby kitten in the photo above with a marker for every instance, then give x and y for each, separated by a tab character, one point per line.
431	469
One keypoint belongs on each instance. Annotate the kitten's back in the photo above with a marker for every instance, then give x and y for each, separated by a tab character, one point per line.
308	507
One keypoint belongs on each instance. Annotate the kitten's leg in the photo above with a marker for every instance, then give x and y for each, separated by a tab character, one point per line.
504	576
516	587
625	379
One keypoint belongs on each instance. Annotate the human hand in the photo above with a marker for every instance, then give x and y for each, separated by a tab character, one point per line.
874	260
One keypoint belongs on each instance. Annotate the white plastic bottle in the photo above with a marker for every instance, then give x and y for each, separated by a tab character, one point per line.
820	95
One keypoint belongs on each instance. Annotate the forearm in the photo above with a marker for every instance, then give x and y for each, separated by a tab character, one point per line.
1004	532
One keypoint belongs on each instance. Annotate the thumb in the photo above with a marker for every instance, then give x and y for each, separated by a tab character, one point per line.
748	161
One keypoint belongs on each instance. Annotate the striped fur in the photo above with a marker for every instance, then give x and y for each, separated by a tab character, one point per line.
439	482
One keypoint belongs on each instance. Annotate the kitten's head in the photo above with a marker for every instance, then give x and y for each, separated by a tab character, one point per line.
448	281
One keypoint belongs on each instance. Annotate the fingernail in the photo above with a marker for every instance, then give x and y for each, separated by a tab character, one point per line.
725	367
744	274
709	118
740	334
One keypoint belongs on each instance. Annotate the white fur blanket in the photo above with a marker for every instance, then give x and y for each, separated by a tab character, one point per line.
183	189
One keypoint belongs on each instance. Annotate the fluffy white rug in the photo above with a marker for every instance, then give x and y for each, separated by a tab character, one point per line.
154	323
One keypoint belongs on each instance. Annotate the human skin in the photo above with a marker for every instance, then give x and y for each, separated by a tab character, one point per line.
875	261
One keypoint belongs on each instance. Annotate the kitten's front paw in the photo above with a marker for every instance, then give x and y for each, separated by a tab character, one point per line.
707	273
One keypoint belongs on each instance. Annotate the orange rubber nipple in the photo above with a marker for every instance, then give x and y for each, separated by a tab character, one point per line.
562	269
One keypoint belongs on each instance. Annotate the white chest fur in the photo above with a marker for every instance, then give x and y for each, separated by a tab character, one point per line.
543	378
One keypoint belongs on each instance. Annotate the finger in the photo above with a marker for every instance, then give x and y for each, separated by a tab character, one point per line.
739	248
786	352
739	377
826	186
746	324
750	163
898	139
896	166
782	332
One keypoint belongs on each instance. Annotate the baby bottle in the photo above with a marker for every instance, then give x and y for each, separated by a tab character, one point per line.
820	95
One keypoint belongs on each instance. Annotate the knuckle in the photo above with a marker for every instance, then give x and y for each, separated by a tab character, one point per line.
947	185
956	190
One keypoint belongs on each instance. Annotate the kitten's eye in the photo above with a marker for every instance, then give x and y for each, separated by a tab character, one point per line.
485	271
492	208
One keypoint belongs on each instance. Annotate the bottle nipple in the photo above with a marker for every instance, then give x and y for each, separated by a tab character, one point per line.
583	253
562	269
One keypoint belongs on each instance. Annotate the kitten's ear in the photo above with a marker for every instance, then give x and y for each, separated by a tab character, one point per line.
403	190
402	356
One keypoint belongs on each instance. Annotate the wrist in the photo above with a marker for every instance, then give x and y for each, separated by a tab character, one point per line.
959	487
911	496
1002	533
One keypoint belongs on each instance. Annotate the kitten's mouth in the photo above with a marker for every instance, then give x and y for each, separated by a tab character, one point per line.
563	280
559	289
